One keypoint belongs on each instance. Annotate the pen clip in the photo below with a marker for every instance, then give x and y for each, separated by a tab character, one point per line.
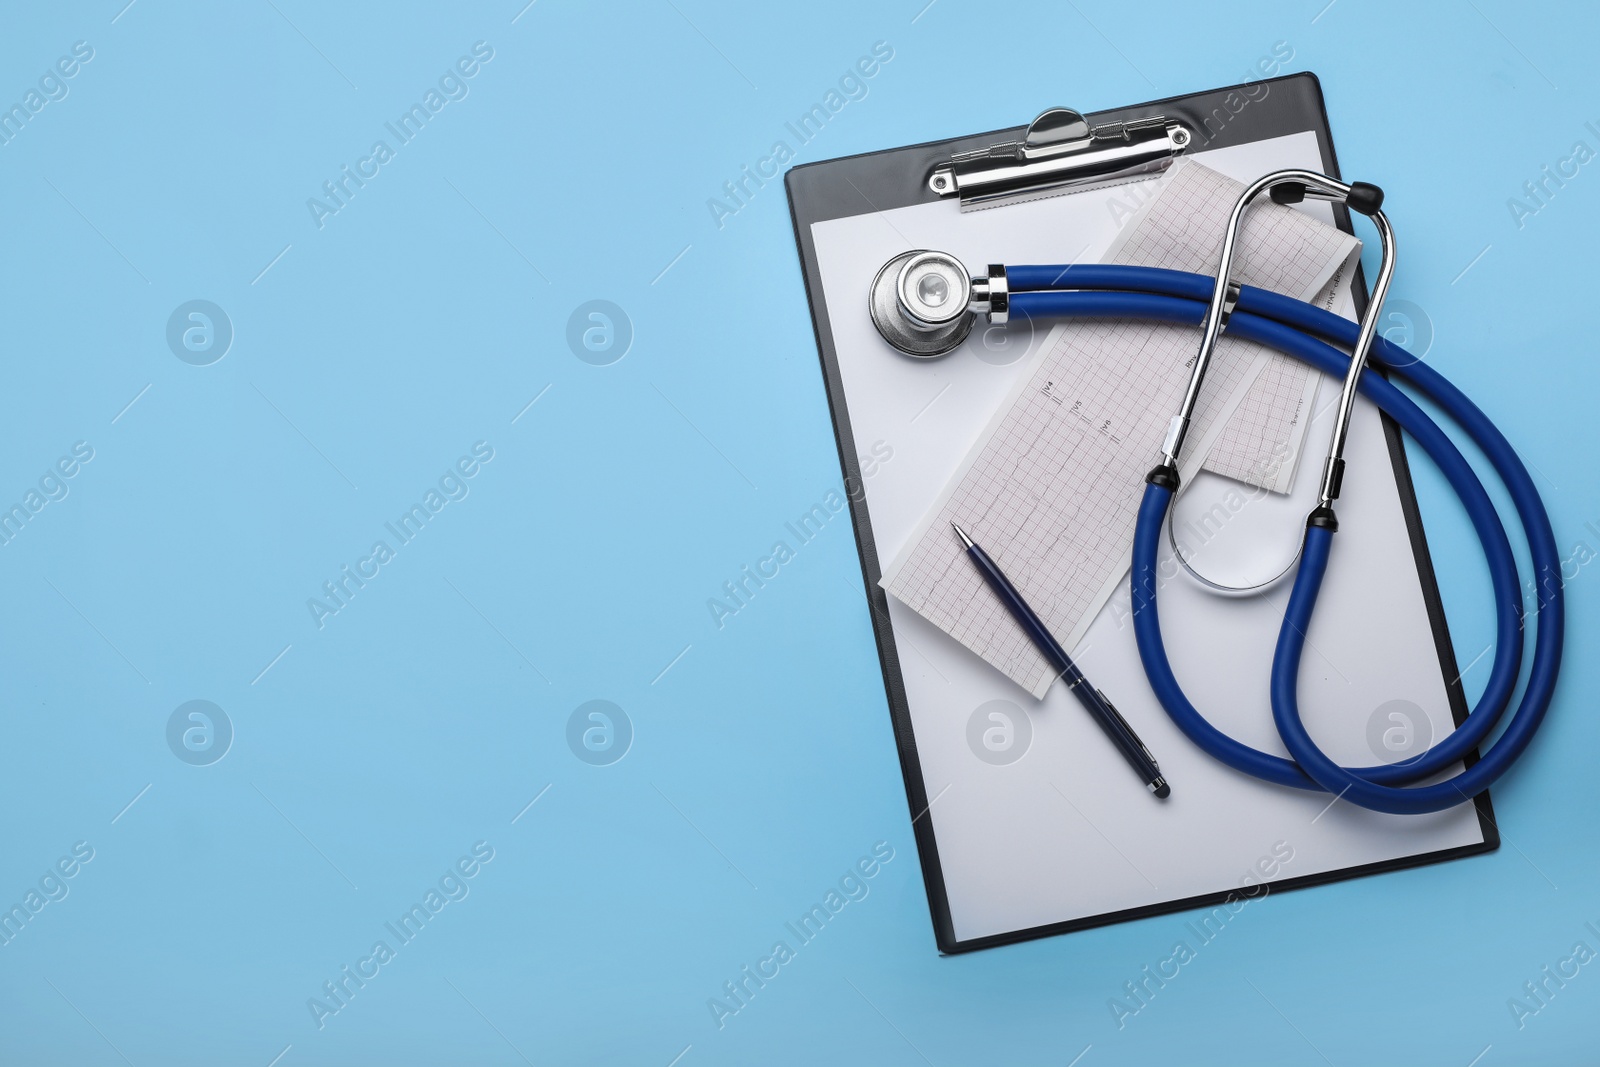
1060	153
1136	738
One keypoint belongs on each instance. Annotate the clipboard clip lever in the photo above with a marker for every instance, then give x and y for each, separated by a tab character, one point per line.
1060	153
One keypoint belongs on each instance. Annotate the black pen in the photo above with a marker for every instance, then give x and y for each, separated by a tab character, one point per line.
1094	701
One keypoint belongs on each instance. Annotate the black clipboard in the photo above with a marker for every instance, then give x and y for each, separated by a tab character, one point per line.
879	181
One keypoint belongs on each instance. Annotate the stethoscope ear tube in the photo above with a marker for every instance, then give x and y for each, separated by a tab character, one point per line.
1374	787
1146	582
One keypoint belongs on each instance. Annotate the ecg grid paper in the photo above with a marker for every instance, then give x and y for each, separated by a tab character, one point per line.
1182	229
1052	486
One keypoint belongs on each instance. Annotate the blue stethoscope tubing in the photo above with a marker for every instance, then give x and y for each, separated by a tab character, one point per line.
1302	331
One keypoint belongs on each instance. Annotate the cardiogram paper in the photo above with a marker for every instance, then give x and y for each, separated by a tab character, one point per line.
1052	486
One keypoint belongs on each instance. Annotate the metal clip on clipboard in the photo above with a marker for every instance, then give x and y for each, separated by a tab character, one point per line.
1060	153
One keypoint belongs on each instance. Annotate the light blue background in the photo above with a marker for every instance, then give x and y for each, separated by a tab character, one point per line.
425	716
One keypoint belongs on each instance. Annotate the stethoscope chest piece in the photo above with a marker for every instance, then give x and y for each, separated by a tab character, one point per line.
920	303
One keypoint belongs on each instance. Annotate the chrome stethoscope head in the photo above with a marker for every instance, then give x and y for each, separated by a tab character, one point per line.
924	303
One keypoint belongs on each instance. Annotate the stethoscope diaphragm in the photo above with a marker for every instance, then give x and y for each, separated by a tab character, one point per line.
919	303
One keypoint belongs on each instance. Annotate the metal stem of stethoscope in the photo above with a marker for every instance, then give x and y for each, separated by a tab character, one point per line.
1288	187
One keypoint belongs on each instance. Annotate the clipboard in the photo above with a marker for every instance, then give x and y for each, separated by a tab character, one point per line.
1002	861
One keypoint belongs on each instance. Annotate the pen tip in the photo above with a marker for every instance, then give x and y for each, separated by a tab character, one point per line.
961	534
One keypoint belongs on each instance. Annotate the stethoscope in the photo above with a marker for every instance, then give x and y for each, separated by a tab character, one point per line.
924	304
